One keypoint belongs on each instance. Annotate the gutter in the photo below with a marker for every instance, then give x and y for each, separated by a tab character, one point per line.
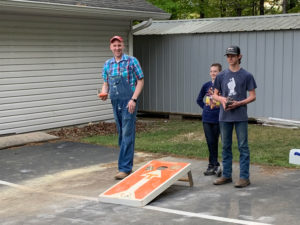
64	9
136	28
141	26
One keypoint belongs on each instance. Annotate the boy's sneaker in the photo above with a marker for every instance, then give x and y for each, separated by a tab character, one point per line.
210	171
218	171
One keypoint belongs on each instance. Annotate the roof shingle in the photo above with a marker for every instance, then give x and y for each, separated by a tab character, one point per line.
136	5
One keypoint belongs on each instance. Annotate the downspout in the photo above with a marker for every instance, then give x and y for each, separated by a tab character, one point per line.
136	28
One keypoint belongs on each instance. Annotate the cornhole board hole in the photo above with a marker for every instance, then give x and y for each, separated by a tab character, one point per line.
142	186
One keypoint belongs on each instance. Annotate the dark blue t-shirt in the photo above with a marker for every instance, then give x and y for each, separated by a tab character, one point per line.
210	113
234	85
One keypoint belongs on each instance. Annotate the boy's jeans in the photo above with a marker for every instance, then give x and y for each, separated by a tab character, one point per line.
241	129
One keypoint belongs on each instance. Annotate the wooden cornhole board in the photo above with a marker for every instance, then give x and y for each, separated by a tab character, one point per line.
142	186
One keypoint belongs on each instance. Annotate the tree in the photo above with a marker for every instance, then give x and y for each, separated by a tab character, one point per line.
294	6
261	7
284	6
170	6
190	9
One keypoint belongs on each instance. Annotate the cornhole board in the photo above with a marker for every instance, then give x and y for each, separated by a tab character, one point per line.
142	186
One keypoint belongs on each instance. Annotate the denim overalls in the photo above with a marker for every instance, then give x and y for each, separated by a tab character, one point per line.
120	94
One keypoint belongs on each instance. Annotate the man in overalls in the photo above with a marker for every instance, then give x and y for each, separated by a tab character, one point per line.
124	81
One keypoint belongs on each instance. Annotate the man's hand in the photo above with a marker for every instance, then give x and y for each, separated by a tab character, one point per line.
103	96
131	106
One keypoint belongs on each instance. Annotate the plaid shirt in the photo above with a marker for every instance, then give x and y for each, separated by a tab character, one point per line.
129	67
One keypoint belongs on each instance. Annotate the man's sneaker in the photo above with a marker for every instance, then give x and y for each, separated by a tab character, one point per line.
210	171
218	171
121	175
241	183
222	180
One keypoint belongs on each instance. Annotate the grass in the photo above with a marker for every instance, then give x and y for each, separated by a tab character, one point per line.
185	138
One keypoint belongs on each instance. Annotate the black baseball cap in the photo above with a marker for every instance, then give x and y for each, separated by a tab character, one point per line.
233	50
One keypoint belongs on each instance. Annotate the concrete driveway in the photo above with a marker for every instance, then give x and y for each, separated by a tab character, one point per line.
59	183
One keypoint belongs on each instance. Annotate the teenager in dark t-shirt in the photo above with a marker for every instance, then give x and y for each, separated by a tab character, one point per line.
233	84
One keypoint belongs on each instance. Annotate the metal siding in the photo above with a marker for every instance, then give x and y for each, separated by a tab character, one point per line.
295	107
268	73
259	73
181	74
190	98
158	81
174	74
211	49
194	81
50	69
162	81
142	62
219	50
201	65
152	69
271	57
227	40
146	69
287	74
250	56
244	39
167	75
278	84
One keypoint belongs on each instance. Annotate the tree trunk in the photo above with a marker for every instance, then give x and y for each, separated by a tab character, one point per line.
284	6
201	6
222	8
239	10
253	7
292	4
261	7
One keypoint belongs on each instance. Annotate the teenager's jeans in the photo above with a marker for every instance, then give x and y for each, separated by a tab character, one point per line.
241	129
212	133
125	123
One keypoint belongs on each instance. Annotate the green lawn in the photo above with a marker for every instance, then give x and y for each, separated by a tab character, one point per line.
185	138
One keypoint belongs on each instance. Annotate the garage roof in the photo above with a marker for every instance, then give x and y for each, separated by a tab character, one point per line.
228	24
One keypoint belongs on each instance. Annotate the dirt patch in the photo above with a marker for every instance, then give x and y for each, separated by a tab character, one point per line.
275	170
192	136
93	129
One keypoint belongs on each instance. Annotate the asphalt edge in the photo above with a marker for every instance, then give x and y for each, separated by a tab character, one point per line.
23	139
